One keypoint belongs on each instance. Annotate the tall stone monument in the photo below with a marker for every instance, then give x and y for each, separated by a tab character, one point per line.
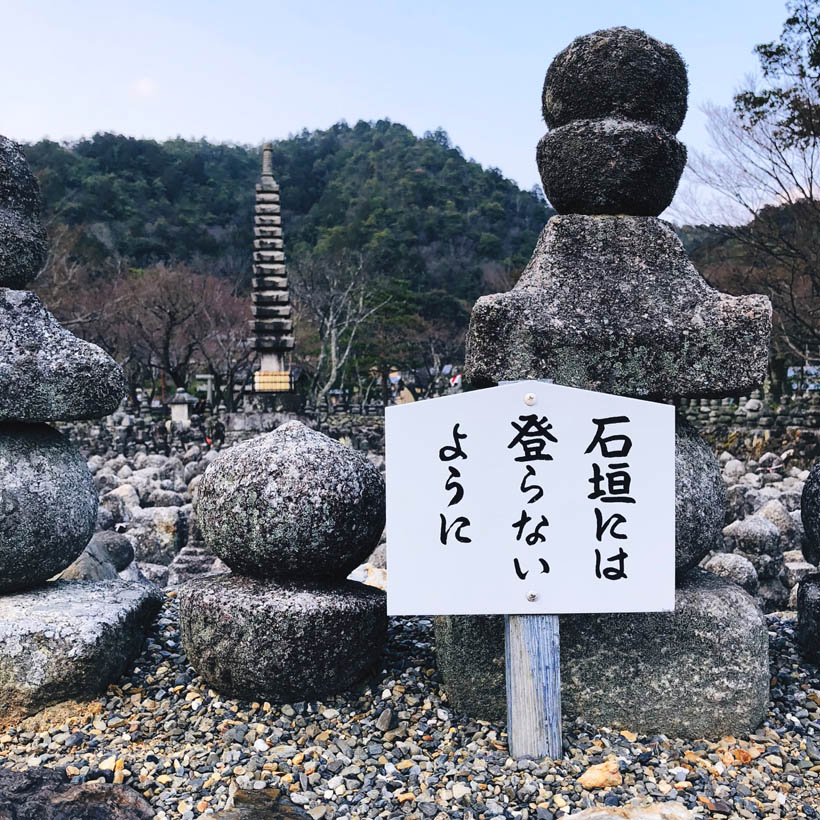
271	324
610	302
59	639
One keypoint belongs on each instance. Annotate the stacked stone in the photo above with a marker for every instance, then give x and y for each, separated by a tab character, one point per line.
291	512
610	302
63	639
272	324
808	593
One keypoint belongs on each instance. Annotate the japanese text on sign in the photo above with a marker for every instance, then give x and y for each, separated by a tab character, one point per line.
564	503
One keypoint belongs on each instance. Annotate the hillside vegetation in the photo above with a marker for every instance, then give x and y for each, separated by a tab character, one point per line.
415	207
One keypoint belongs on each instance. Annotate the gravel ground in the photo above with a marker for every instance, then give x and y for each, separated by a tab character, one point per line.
394	749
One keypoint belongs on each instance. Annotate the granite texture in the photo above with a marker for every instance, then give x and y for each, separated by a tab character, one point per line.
610	167
700	671
262	641
612	303
69	639
470	657
758	540
48	504
22	239
47	373
700	498
293	504
106	555
735	568
618	72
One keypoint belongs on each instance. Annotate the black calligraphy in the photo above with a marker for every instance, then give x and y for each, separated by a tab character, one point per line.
459	524
611	484
531	442
532	436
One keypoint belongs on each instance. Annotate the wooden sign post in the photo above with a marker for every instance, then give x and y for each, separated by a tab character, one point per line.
533	676
530	500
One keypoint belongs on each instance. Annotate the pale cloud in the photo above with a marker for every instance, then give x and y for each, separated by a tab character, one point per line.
144	87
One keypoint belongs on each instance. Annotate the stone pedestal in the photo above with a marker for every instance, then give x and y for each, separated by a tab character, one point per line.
281	642
69	639
700	671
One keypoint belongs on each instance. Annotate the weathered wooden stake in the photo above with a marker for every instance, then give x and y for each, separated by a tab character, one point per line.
533	660
532	652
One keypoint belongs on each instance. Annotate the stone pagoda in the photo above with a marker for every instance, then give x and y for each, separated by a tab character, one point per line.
272	325
610	302
59	639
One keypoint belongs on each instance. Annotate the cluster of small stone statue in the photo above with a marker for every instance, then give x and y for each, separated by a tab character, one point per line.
609	301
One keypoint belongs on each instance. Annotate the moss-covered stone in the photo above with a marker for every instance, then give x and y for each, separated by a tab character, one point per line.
610	167
612	303
281	643
618	72
291	505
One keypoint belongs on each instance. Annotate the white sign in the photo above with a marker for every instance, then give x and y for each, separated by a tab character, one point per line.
530	498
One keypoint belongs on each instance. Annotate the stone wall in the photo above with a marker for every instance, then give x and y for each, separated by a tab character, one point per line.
750	426
126	433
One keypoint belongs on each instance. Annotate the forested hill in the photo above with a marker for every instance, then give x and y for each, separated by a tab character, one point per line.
416	207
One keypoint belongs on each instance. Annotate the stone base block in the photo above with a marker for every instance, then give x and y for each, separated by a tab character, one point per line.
262	641
701	671
69	639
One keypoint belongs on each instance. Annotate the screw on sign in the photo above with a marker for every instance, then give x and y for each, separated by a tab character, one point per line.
531	500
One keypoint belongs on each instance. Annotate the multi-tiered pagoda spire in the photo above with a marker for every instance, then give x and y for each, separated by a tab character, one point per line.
271	324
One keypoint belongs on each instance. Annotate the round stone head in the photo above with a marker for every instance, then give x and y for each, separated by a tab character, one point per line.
613	101
619	73
291	505
22	240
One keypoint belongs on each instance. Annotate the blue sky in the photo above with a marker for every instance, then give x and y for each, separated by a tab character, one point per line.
244	71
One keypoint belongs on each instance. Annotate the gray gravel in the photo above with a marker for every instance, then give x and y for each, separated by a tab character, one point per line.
393	748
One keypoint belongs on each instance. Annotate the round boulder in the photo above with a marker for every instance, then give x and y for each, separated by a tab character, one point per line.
618	72
291	505
735	568
700	498
48	505
261	641
758	540
610	167
810	513
22	239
